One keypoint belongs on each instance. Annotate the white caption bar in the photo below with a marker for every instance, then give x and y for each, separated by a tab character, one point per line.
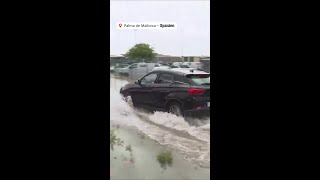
146	25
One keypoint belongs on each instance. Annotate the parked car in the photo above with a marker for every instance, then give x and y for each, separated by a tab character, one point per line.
176	63
140	69
185	66
196	65
180	67
161	66
112	69
136	69
122	69
182	92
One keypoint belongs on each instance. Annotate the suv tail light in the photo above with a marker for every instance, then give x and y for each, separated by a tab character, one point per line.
196	91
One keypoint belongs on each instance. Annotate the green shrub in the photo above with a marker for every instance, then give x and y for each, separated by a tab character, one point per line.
165	159
114	140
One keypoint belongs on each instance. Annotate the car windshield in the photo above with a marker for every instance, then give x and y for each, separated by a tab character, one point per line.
199	79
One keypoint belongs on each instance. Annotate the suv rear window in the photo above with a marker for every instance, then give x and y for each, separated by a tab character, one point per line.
199	79
180	79
165	78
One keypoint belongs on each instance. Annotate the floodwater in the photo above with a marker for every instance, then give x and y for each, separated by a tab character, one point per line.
149	134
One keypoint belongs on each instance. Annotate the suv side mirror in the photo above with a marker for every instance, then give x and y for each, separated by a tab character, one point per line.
137	81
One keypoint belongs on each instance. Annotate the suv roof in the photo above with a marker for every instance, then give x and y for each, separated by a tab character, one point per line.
181	71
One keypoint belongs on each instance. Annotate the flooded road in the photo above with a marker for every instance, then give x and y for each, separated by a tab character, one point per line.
190	145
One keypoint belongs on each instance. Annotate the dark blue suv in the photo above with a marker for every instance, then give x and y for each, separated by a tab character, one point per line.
183	92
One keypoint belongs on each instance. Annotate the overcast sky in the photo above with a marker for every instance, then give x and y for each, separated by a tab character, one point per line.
191	38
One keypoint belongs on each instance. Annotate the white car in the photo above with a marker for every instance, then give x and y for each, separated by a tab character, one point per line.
124	71
112	69
123	68
196	65
177	63
160	66
181	67
137	70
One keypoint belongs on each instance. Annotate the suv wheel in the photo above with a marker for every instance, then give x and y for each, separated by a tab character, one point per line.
175	108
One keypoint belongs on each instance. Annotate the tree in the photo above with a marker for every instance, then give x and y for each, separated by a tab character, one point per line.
141	52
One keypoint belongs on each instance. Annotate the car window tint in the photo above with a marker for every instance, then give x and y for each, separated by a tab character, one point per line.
165	78
149	79
180	79
143	65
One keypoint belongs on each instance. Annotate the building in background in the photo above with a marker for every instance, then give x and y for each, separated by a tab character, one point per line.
158	58
123	59
117	59
206	64
193	58
167	59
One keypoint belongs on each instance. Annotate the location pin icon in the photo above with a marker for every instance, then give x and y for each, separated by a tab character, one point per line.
120	25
